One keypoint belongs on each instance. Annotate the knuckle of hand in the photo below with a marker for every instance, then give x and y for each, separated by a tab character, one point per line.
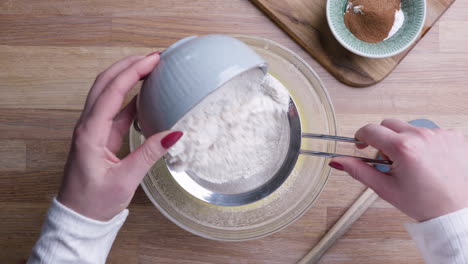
387	121
369	126
406	146
365	130
78	133
151	154
425	133
79	136
100	76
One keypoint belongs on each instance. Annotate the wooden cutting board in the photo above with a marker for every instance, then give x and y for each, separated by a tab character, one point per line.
305	21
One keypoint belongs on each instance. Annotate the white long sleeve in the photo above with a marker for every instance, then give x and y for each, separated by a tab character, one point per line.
442	240
68	237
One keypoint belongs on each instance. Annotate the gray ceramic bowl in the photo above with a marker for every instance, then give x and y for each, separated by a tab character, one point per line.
188	71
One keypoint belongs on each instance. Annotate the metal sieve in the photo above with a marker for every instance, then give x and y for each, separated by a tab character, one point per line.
258	186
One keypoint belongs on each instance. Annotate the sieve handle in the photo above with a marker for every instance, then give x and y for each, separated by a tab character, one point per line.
330	137
341	139
332	155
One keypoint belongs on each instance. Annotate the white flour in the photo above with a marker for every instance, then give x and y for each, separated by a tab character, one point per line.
233	132
399	19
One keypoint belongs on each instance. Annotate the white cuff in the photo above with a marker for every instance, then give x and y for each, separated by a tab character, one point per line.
443	239
68	237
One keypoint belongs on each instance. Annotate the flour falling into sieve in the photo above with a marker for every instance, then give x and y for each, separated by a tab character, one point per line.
234	132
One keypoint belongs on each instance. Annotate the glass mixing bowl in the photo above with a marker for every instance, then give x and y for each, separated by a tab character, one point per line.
292	199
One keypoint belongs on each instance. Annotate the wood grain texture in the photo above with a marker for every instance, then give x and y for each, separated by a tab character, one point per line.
12	155
371	251
374	223
44	78
56	30
305	21
166	238
43	84
37	123
341	226
47	155
20	229
29	186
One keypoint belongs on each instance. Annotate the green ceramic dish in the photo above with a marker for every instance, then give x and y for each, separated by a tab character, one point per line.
415	14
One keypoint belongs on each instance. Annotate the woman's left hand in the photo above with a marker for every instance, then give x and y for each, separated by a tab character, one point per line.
96	183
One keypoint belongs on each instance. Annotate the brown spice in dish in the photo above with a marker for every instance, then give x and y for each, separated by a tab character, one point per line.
374	20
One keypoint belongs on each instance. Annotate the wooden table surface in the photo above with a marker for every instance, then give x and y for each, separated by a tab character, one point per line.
50	52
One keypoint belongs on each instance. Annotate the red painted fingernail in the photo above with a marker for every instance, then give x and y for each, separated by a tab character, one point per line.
336	165
152	53
172	138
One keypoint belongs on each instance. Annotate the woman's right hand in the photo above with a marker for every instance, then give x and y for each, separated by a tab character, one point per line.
429	175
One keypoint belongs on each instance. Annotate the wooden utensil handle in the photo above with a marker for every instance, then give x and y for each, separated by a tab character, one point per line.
344	223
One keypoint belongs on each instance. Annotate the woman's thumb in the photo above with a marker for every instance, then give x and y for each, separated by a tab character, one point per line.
381	183
140	161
